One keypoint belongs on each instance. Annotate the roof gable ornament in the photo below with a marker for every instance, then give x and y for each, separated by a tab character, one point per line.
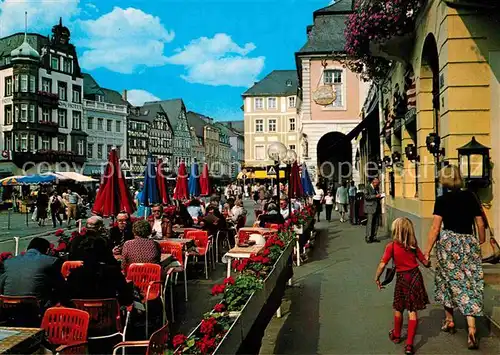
25	51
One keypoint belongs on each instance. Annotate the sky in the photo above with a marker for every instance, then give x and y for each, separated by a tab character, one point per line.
205	52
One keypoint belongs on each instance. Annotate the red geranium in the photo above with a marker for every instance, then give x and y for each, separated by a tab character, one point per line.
178	340
219	307
229	281
83	231
207	325
61	247
5	255
217	289
59	232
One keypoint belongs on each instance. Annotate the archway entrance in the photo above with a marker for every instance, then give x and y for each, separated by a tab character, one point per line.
334	158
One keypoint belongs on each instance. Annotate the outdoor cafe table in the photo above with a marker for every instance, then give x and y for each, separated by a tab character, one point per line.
240	253
20	340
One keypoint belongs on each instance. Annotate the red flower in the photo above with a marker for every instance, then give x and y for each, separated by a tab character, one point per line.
208	325
61	247
178	340
51	246
5	255
229	281
266	252
266	260
83	231
74	234
219	307
217	289
59	232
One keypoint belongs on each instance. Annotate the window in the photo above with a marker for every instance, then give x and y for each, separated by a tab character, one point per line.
46	115
260	153
24	112
16	83
32	83
80	147
8	86
100	153
118	150
32	143
45	143
54	63
108	125
90	150
259	125
8	143
31	114
46	85
118	126
61	144
272	125
24	83
271	103
62	90
67	65
292	146
77	121
62	118
291	102
8	115
77	91
16	113
259	103
24	142
99	124
90	123
99	98
334	78
291	120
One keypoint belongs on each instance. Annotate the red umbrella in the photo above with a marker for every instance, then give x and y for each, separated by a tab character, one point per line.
181	185
295	185
161	180
113	196
205	182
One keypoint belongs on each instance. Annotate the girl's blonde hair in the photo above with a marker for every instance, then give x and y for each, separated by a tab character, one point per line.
404	233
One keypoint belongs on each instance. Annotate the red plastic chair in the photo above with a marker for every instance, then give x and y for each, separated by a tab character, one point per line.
20	311
156	345
105	317
203	244
66	328
67	266
147	277
177	251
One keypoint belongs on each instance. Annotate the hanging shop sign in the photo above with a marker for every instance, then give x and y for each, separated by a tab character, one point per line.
324	95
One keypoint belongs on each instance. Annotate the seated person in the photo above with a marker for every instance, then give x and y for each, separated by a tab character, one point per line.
119	234
35	274
95	227
96	278
181	215
213	221
194	209
141	249
272	215
160	225
284	209
237	211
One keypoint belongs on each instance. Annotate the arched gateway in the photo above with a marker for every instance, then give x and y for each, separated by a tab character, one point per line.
334	157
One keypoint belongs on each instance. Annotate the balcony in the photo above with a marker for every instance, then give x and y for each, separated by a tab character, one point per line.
48	156
104	106
47	127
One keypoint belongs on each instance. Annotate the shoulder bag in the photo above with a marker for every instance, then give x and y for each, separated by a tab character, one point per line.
390	272
490	250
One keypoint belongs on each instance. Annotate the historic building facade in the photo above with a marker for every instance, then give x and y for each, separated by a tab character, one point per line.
105	122
224	156
270	115
328	148
41	109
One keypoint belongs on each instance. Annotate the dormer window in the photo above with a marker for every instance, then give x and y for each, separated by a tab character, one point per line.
67	65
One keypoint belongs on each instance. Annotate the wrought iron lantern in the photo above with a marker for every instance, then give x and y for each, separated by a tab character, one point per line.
433	142
396	157
380	164
474	162
411	153
387	161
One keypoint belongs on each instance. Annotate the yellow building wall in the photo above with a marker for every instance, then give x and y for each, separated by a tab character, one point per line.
469	106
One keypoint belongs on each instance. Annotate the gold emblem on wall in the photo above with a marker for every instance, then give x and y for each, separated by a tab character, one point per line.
324	95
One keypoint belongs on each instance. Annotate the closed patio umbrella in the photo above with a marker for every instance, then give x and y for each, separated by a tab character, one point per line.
194	182
161	181
205	182
295	189
113	195
181	185
150	195
306	182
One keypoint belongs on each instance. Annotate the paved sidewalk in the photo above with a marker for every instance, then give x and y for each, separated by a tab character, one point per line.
335	308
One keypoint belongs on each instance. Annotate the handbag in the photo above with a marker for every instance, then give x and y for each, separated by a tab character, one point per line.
490	250
390	272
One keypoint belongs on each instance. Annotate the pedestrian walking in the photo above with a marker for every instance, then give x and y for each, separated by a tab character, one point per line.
318	200
73	199
373	209
459	276
353	213
42	203
329	205
55	206
342	200
409	292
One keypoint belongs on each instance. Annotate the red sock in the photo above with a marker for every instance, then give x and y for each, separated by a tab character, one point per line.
398	324
412	330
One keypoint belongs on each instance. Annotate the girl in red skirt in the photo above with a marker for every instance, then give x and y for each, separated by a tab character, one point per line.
409	292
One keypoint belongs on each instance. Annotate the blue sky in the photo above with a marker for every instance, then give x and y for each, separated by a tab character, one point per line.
206	52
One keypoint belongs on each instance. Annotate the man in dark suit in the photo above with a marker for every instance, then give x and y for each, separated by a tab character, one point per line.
35	274
373	209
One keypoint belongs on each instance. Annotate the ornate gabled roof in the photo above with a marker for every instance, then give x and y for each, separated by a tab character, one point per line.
196	121
172	108
278	82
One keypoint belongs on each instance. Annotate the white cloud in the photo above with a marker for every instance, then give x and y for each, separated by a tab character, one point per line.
138	97
123	40
92	6
42	14
218	61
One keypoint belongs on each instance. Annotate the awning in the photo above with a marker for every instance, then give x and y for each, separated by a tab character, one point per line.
262	174
76	176
372	115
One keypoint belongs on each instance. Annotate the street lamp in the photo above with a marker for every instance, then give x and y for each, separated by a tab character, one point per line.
289	160
474	162
277	152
